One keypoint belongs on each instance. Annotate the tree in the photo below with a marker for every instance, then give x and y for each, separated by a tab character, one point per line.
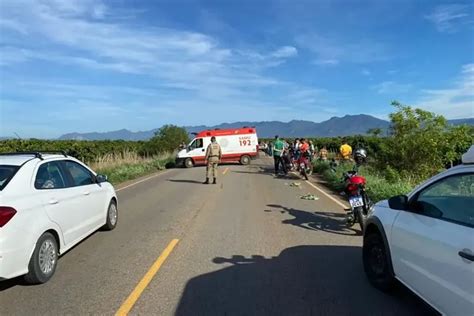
376	132
166	139
421	143
458	140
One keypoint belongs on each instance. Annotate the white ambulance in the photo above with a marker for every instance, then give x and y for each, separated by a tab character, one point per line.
239	145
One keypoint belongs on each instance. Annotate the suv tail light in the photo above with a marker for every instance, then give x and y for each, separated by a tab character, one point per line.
6	214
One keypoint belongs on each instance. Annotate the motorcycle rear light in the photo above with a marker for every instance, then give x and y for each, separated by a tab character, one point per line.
6	214
352	187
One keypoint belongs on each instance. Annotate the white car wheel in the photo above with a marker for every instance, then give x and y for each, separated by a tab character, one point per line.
112	216
43	261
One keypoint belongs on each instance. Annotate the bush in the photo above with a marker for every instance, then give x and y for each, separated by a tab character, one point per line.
129	171
378	188
391	175
87	151
321	166
167	139
421	143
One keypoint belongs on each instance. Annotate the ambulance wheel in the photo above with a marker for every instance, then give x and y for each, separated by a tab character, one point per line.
245	160
189	163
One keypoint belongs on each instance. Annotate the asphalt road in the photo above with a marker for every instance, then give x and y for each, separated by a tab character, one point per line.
248	246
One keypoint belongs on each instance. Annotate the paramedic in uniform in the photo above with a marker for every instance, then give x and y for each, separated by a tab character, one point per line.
213	157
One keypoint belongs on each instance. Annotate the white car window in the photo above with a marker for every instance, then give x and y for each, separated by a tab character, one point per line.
50	176
451	199
79	174
6	174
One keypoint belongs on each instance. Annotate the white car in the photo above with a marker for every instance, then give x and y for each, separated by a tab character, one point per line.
48	203
426	240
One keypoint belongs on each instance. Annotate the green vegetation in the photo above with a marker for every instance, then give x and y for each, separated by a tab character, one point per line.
167	139
419	145
379	186
131	170
119	160
88	151
422	143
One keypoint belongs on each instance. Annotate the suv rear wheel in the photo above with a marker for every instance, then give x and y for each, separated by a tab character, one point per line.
377	264
44	260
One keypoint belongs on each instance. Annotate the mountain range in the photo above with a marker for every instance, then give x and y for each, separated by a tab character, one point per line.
335	126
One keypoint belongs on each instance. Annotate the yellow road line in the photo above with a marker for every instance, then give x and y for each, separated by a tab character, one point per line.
326	194
135	295
225	170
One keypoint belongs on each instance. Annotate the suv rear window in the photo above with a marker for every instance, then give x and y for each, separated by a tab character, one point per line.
6	174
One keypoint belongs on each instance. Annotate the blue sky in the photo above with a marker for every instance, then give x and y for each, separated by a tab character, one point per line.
86	65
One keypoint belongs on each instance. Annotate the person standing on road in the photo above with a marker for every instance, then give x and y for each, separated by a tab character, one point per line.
213	157
278	148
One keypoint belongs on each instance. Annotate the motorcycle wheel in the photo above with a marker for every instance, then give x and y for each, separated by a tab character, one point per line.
350	220
361	218
367	203
304	174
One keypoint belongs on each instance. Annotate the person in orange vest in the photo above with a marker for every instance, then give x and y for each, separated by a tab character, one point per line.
345	150
304	146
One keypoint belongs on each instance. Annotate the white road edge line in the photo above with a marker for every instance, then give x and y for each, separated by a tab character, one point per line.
326	194
143	180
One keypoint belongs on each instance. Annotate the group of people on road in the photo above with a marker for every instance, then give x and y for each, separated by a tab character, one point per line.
284	152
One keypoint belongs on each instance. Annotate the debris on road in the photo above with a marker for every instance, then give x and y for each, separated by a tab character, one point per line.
295	184
310	197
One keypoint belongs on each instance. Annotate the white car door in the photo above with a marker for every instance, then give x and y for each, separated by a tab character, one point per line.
432	244
58	200
91	197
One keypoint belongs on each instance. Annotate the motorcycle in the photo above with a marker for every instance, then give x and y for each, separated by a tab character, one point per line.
304	166
287	160
355	190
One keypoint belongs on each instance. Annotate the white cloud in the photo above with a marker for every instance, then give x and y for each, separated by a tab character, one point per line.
454	102
448	18
331	50
326	62
391	87
180	69
365	72
285	52
177	58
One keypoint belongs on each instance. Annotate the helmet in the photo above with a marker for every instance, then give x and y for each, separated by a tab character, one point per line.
360	155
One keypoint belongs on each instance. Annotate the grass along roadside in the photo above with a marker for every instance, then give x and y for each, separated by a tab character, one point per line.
378	186
128	165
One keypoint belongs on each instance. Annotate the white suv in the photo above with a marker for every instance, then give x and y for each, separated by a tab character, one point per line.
48	203
426	240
